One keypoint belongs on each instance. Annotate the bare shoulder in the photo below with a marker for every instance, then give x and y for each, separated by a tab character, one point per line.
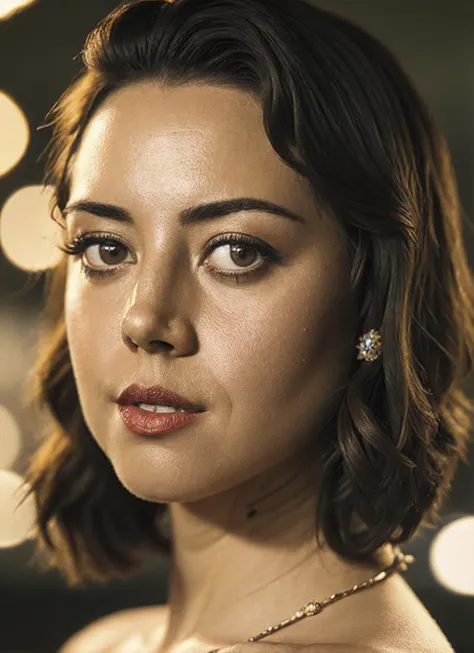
390	619
424	647
393	620
109	630
334	648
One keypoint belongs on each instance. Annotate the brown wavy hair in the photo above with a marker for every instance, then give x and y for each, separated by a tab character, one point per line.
338	109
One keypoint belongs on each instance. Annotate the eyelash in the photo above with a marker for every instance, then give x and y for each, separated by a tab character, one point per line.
78	245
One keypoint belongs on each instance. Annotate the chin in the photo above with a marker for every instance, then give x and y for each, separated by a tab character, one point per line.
160	488
151	490
170	487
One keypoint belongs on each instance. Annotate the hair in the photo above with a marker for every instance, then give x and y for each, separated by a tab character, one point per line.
339	109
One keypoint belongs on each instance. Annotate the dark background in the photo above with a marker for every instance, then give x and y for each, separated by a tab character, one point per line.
39	46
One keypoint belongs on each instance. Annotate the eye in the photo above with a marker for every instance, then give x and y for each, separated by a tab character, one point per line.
107	254
98	250
239	256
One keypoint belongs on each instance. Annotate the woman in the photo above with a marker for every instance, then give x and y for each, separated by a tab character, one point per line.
287	277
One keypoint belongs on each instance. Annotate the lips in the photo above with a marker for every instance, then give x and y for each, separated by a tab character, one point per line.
143	422
158	396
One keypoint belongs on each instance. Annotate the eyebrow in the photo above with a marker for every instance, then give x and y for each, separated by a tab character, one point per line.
193	215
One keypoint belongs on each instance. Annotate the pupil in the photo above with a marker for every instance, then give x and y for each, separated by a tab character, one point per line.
238	249
110	250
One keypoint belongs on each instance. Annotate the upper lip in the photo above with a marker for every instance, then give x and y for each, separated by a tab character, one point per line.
156	395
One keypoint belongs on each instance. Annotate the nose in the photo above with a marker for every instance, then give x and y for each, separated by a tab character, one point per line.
158	318
154	334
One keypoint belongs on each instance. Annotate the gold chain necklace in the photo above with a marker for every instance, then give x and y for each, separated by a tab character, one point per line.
313	608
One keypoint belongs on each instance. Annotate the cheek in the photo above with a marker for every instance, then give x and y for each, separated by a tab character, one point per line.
89	323
78	331
283	358
78	323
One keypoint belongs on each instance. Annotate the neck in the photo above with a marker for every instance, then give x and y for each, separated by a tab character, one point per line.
247	558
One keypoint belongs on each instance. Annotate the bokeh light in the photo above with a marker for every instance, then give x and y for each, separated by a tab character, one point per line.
17	522
10	438
28	235
14	133
451	556
10	7
19	333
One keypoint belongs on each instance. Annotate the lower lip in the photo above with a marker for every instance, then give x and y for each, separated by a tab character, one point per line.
144	422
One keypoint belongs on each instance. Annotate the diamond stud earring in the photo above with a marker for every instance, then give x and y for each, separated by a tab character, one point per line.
370	346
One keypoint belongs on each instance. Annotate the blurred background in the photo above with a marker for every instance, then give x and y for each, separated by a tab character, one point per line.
39	46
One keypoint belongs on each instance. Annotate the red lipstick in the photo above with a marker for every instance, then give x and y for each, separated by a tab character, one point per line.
147	422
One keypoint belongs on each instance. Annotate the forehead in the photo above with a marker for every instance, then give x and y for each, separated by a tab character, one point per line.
146	140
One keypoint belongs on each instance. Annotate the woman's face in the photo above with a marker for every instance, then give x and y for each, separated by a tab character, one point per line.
266	354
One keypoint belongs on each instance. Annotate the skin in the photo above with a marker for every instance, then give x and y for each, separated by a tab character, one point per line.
267	357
